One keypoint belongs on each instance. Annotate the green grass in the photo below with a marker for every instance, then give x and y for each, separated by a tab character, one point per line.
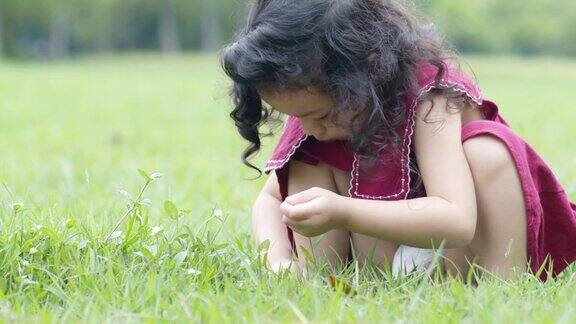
74	134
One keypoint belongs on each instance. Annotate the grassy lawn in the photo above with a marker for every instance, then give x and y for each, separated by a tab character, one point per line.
74	134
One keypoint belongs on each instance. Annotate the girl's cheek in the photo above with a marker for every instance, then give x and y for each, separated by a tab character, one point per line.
345	118
340	124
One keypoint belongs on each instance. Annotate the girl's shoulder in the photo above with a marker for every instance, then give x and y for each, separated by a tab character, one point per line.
450	77
430	76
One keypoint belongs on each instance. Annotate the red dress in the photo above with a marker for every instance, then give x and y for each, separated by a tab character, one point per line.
551	217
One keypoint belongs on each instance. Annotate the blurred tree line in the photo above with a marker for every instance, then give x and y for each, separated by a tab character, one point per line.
59	28
506	26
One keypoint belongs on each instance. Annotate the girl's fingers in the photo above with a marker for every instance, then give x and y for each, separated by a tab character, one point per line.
285	208
290	222
298	212
298	227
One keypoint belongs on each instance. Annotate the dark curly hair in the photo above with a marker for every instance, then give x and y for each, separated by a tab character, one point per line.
362	53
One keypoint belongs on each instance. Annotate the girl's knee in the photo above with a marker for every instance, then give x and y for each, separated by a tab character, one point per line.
496	177
302	176
488	157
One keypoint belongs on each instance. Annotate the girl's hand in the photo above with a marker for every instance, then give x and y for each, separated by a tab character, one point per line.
314	211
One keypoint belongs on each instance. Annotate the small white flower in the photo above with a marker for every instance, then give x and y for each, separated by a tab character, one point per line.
218	213
115	234
125	193
153	249
218	253
246	262
193	272
156	175
28	281
155	230
32	251
82	244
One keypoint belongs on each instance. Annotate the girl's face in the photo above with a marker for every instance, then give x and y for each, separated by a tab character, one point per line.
314	109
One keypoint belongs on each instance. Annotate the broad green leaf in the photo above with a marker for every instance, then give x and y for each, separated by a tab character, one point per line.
144	174
171	209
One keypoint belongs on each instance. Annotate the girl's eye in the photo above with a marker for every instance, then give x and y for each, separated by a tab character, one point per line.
324	117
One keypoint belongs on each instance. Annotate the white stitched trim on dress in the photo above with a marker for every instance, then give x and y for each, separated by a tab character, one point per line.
277	164
409	131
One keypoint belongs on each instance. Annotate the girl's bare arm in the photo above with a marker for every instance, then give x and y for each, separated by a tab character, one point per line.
267	224
449	210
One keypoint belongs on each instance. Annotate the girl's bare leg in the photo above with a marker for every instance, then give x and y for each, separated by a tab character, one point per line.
332	246
499	244
367	249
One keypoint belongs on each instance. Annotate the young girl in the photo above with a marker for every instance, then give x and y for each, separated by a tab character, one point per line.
387	146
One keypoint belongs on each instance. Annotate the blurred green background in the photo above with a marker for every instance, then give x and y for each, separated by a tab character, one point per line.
73	133
44	29
92	90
